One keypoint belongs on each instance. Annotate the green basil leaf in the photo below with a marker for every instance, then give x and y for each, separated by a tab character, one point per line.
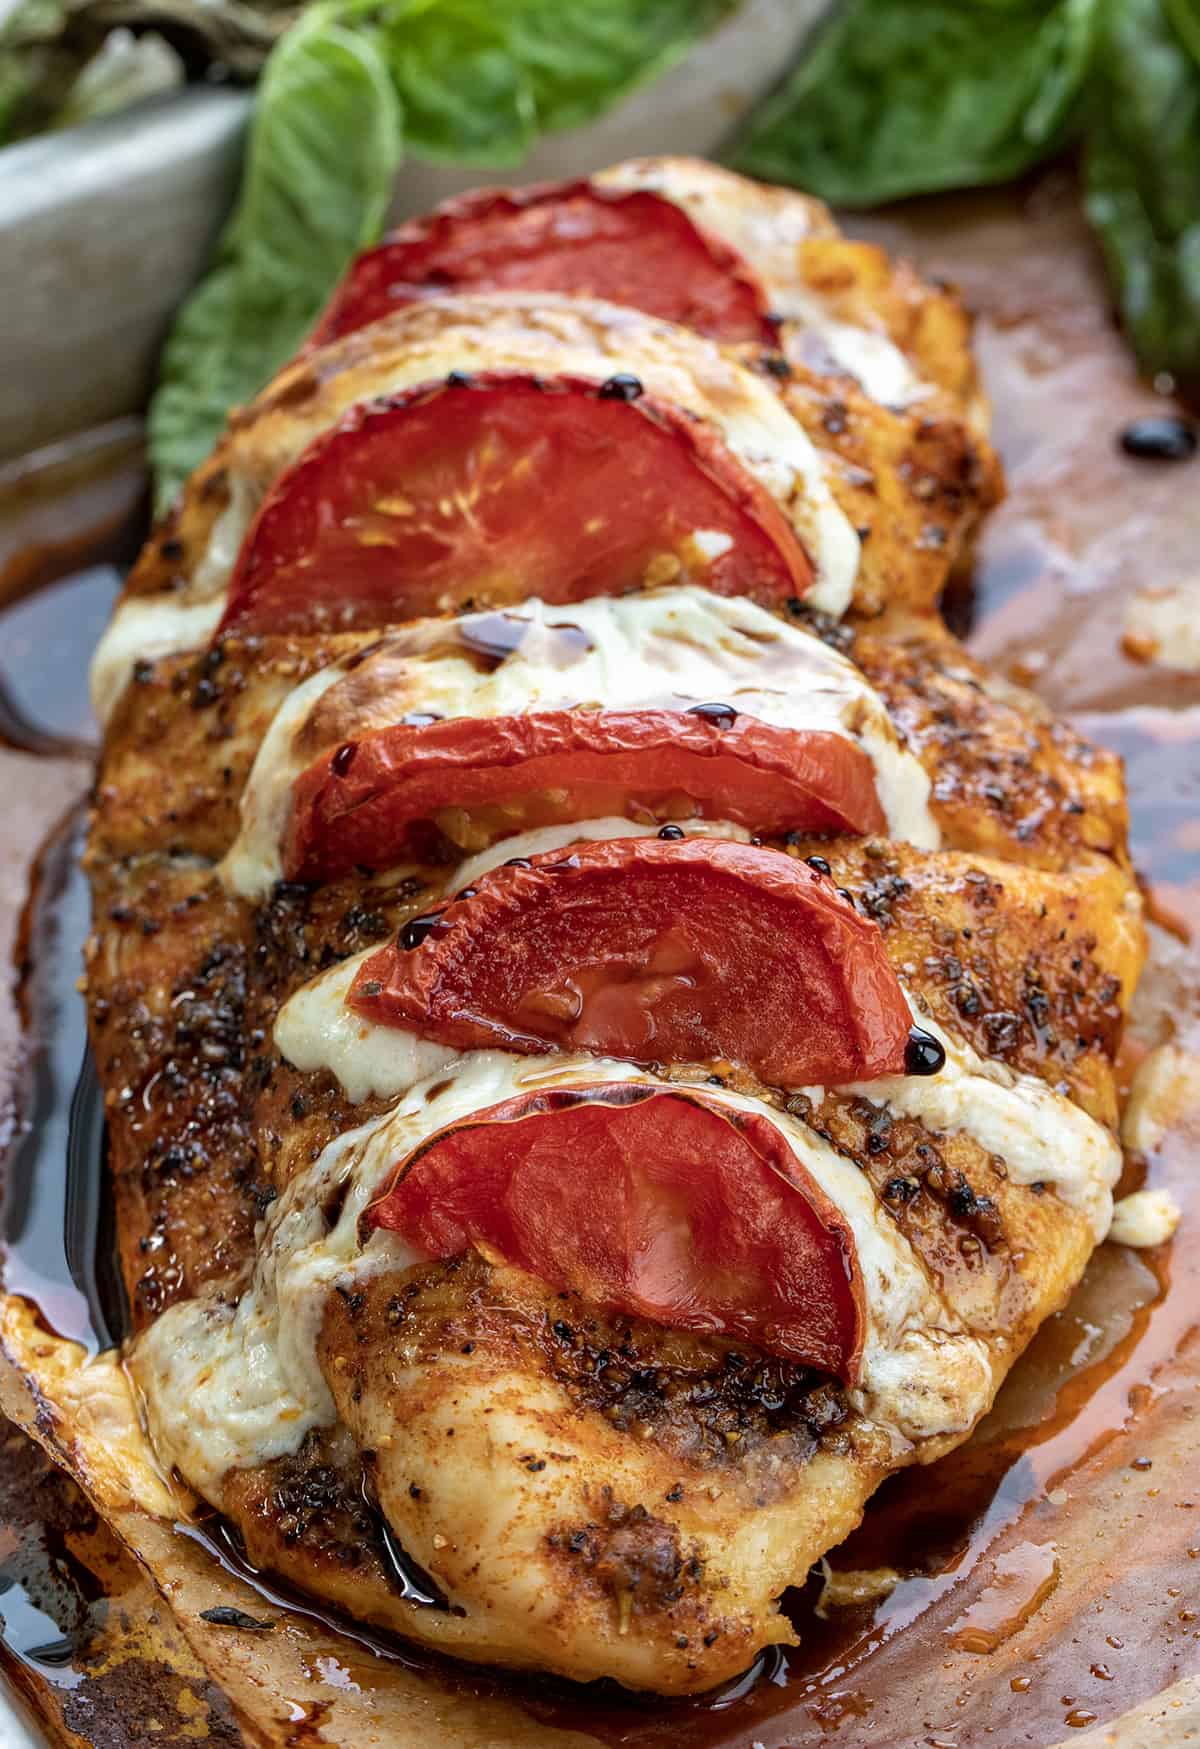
901	97
324	149
582	58
481	81
1142	174
466	99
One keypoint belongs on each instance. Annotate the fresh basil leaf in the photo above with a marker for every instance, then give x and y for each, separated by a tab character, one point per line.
465	98
582	58
480	81
1142	175
901	97
323	154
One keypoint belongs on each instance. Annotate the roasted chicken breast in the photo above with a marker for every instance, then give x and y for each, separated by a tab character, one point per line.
607	1011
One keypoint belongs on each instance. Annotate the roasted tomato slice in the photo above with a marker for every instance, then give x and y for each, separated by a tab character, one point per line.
407	789
658	1203
632	248
496	488
689	951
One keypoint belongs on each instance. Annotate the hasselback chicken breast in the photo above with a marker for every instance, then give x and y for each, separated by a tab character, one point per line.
607	1012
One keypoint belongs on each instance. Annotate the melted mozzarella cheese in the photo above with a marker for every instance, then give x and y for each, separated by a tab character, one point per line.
545	838
551	335
766	227
1164	1095
254	861
671	648
1144	1218
143	628
1042	1137
229	1387
316	1029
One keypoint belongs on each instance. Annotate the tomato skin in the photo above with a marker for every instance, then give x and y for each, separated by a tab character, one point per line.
661	1203
696	951
627	247
500	487
372	801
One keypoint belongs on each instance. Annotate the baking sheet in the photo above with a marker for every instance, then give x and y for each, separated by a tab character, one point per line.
1062	1533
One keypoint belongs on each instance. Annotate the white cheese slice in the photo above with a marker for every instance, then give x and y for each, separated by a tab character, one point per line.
1145	1218
671	648
766	227
315	1029
546	838
143	628
229	1387
254	861
1043	1137
1164	1095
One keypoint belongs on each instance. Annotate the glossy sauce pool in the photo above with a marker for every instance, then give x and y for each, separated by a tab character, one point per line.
1049	1571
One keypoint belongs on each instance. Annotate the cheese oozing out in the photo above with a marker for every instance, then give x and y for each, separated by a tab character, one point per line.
142	629
1043	1137
233	1386
1145	1218
766	227
145	627
671	648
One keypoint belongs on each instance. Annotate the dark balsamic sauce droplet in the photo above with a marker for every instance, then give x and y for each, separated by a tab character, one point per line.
923	1054
343	759
492	636
225	1616
671	832
819	863
411	1581
459	379
1160	438
418	929
721	716
622	387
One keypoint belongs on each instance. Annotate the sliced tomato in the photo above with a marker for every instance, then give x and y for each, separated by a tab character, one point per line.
409	788
658	1203
696	950
631	248
496	488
